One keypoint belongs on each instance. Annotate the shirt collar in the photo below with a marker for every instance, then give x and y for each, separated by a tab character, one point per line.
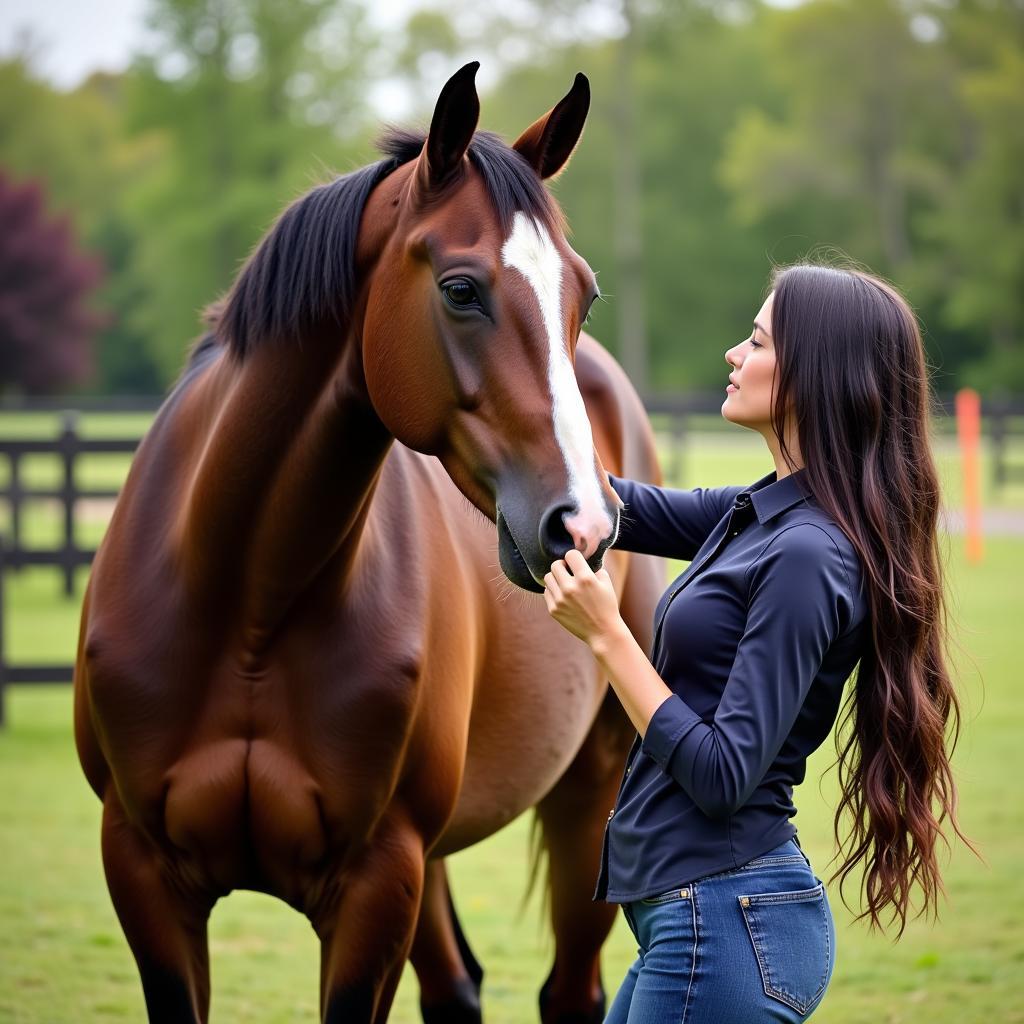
770	496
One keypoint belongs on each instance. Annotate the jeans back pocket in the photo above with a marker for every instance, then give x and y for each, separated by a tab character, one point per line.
792	937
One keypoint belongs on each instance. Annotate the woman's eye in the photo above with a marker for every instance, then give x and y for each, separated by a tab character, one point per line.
461	294
755	344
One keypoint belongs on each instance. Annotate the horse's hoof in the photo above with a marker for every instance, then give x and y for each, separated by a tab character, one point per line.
462	1008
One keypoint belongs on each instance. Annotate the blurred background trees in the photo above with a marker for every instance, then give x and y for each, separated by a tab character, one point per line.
724	137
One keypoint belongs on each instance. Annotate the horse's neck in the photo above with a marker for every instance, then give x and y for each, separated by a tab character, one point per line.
286	478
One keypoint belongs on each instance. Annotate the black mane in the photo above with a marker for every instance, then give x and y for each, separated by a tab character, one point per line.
303	271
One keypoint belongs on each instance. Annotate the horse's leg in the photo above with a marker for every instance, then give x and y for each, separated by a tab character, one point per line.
448	973
573	817
165	926
365	922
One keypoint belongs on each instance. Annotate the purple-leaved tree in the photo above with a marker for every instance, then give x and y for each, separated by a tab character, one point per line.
46	323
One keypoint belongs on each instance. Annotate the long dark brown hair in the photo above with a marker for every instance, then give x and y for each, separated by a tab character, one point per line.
851	369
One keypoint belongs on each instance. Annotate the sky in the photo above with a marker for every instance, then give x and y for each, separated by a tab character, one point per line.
73	38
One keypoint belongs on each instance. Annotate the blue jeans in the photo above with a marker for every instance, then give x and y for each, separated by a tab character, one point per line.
744	946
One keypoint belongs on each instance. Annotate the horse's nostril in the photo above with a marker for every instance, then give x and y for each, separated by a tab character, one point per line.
555	539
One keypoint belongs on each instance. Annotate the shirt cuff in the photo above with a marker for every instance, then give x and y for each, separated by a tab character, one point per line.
672	720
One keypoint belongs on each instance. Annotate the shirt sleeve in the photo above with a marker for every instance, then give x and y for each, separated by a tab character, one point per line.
668	522
799	602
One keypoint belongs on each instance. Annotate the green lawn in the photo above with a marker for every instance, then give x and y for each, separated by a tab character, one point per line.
62	956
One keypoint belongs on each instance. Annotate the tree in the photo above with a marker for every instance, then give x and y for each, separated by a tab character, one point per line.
864	133
76	145
702	274
977	268
255	98
46	324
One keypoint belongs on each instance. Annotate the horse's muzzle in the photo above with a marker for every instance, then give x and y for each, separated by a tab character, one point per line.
513	562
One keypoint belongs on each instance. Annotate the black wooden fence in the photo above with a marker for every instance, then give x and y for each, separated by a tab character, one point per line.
672	416
67	556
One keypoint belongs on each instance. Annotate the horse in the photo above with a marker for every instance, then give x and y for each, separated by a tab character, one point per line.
302	669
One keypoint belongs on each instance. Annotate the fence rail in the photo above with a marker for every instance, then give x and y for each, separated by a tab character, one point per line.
69	446
671	414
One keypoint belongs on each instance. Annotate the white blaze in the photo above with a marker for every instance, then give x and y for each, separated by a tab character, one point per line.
529	250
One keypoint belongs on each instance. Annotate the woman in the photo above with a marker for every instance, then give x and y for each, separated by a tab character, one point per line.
830	560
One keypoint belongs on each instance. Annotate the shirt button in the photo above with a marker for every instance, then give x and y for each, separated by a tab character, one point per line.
611	813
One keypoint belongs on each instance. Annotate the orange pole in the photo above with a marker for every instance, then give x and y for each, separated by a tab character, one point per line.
968	428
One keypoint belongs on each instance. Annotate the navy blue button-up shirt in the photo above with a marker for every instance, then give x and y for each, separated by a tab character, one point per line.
755	640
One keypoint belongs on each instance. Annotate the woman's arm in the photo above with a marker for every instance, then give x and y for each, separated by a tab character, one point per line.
668	522
586	604
799	603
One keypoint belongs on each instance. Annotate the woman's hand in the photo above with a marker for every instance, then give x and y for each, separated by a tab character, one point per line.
582	601
585	603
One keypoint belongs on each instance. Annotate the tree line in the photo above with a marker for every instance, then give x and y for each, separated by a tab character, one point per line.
724	138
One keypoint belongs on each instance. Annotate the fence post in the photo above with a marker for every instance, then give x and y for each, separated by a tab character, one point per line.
997	420
15	498
69	449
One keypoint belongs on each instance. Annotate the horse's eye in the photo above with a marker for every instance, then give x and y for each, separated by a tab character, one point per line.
461	294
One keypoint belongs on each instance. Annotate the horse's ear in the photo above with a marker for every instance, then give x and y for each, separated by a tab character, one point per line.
451	128
548	143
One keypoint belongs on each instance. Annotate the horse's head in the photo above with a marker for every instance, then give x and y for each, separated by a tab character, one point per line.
473	310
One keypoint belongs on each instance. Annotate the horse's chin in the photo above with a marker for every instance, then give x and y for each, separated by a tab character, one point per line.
511	559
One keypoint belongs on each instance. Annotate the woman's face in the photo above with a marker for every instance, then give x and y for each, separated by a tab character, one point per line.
749	396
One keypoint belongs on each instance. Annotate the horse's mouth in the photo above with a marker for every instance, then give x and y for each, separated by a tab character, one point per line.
512	562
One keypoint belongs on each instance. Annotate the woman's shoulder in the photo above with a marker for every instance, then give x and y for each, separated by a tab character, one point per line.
809	528
808	532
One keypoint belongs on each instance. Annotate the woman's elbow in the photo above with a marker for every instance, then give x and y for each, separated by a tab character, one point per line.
716	806
720	798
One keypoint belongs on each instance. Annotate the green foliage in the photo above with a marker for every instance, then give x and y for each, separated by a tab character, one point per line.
702	282
982	226
887	130
900	144
255	98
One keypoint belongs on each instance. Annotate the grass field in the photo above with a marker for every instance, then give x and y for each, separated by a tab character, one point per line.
62	956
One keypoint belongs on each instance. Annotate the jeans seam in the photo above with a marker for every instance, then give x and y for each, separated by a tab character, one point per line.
754	865
792	896
695	918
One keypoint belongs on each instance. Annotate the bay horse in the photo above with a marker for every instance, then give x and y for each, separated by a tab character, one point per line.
300	669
